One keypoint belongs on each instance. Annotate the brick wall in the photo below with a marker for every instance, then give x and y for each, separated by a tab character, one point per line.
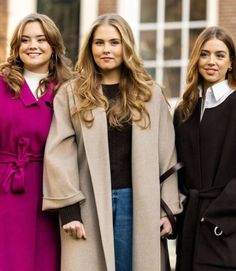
227	15
3	29
107	6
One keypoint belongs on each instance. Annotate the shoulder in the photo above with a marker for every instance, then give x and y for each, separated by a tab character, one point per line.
66	91
157	90
177	118
157	93
66	96
158	98
66	88
229	105
232	96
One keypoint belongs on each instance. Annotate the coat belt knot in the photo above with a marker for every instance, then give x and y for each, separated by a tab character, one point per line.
15	175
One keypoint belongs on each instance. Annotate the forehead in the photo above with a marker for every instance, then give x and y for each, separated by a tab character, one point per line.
215	45
33	28
106	31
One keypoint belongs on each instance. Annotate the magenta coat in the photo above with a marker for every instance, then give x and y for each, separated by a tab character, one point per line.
28	237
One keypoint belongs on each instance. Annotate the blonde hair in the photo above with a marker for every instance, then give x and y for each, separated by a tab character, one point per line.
135	83
193	78
59	66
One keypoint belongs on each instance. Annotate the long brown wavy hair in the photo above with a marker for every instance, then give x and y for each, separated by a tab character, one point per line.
193	78
60	67
135	83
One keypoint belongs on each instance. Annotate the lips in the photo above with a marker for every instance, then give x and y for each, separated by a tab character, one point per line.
210	71
106	58
33	54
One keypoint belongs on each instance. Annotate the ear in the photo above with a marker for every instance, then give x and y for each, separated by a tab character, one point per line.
231	63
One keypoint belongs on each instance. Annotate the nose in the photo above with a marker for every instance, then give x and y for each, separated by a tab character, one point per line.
106	48
32	44
212	59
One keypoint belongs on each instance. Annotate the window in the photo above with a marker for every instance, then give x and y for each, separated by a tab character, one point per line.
66	15
167	32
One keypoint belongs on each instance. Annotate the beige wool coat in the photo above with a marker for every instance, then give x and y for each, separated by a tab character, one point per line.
77	170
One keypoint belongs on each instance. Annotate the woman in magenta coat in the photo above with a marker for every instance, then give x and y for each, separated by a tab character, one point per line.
36	67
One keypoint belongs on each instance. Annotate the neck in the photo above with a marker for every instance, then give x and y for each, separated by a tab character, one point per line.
111	78
35	74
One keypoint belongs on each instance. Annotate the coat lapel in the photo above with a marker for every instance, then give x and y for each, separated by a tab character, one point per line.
97	152
26	95
28	99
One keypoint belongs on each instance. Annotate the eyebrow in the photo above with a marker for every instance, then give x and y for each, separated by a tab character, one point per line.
109	39
220	51
38	36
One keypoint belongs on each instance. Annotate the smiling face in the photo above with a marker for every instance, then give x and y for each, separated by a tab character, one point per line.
35	52
107	50
214	62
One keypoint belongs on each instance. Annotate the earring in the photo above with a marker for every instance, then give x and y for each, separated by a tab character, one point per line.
230	69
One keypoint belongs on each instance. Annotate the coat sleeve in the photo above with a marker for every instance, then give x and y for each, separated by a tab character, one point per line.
167	158
61	174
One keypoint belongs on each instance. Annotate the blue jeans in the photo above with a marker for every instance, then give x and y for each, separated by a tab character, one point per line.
122	204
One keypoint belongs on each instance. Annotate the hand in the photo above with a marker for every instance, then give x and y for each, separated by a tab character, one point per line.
75	229
166	228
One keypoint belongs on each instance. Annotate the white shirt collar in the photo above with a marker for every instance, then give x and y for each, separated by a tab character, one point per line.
218	90
215	95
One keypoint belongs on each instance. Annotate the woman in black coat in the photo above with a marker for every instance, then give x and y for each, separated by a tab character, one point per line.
205	125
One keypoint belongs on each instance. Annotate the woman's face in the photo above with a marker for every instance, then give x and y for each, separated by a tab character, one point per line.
107	50
214	62
35	52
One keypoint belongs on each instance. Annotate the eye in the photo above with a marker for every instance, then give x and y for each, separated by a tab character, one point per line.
41	40
115	42
24	40
98	42
203	54
220	56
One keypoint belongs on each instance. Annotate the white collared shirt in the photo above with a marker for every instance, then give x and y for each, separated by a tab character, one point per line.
215	95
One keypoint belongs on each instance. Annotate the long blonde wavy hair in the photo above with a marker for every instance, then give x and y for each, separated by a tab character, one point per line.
193	78
135	83
60	67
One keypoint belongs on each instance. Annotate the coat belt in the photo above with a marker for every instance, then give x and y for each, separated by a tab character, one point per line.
15	175
191	221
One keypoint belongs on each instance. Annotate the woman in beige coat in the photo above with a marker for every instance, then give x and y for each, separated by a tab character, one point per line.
110	140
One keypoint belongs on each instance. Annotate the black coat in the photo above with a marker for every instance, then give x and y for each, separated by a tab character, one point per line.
208	150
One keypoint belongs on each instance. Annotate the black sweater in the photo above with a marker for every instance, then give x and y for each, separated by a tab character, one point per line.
119	142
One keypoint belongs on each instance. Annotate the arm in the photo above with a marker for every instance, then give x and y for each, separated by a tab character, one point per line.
72	222
167	159
61	187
